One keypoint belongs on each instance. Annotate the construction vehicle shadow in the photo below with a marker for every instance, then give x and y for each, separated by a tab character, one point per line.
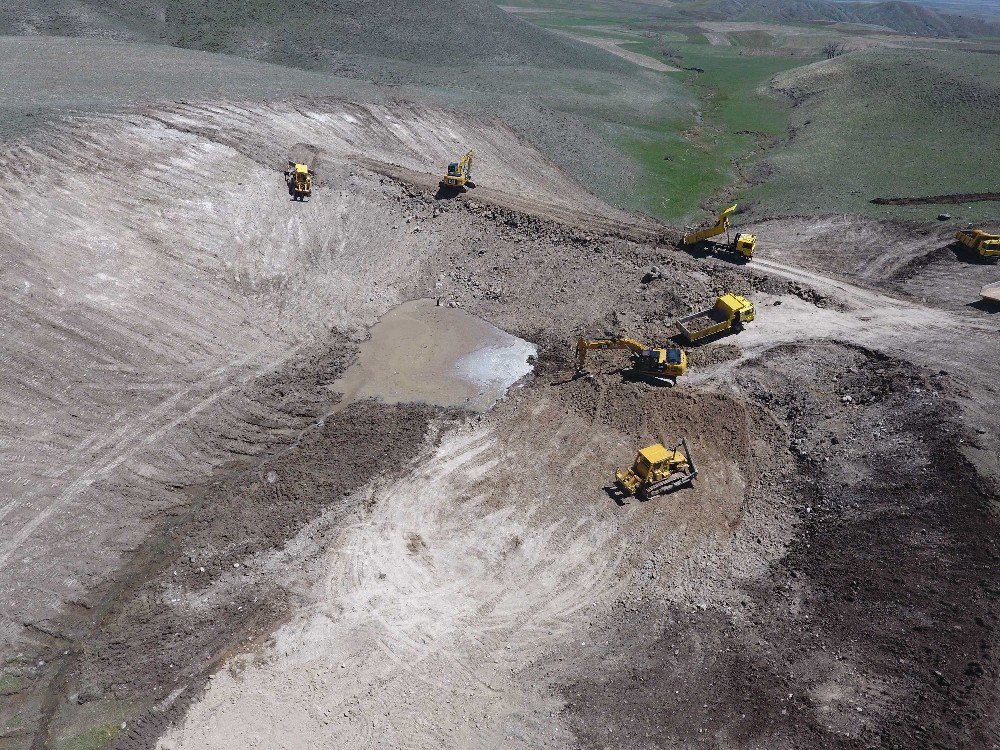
679	339
965	255
631	376
701	251
985	305
621	499
448	193
617	495
627	376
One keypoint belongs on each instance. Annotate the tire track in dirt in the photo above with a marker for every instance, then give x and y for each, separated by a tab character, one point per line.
125	441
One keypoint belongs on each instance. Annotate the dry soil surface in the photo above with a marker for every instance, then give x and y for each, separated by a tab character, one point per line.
199	553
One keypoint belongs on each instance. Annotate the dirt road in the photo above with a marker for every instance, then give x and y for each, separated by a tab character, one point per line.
615	48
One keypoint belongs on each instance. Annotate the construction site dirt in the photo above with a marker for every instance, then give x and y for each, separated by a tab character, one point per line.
205	553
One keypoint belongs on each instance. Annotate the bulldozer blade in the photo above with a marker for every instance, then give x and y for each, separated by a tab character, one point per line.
689	457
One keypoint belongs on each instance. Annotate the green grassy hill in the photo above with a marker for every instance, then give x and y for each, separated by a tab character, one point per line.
312	33
887	123
905	17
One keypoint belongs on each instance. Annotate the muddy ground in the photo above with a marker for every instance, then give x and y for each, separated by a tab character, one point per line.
221	564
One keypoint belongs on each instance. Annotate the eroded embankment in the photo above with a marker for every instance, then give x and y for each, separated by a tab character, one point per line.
153	266
157	282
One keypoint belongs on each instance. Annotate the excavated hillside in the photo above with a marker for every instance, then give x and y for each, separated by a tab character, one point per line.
320	35
205	546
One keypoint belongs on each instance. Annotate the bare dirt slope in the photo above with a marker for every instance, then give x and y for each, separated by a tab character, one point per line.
199	549
153	267
919	260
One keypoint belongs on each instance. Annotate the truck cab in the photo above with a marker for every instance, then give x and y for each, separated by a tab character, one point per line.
744	245
736	308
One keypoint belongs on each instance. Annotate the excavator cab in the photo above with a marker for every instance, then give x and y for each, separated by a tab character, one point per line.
459	174
661	363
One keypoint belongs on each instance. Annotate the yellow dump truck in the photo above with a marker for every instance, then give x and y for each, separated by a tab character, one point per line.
983	244
729	313
742	245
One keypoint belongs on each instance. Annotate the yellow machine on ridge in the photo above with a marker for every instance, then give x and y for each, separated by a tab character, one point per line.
983	244
459	174
656	363
299	178
743	245
658	470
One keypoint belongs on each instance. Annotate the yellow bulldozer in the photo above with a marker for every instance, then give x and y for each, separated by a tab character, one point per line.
459	174
742	246
658	364
658	470
983	244
299	178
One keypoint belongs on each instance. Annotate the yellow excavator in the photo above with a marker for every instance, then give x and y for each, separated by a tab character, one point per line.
983	244
459	174
658	470
299	178
741	246
661	364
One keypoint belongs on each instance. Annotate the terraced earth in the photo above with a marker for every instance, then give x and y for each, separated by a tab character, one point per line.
205	544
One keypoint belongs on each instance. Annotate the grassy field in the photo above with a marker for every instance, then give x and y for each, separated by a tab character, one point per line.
684	155
885	123
689	161
776	125
889	123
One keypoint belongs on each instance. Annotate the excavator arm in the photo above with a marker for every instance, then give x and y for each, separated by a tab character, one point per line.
465	165
585	345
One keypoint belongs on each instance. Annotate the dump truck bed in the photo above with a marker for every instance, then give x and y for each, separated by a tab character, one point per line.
703	323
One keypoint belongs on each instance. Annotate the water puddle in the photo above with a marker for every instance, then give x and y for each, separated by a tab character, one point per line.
419	352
